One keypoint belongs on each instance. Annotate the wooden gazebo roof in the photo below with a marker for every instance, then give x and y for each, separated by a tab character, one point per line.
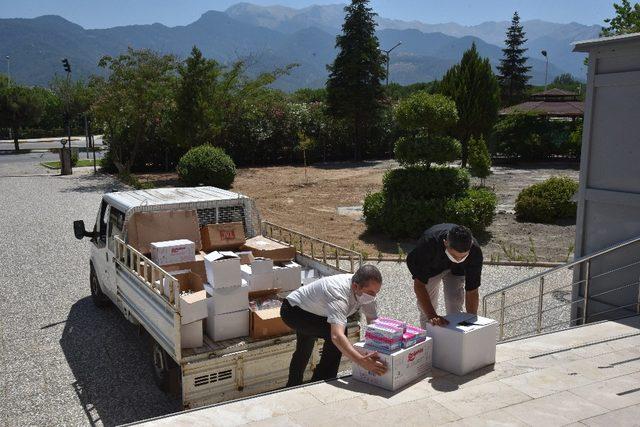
550	103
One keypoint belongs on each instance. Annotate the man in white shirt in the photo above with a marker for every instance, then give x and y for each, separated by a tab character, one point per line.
320	310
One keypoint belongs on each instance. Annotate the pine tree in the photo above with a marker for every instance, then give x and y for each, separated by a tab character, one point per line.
479	159
354	89
476	92
195	121
513	69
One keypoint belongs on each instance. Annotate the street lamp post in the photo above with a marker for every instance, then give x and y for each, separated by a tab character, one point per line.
387	52
546	68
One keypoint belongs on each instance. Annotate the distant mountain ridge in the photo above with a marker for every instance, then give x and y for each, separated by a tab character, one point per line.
268	37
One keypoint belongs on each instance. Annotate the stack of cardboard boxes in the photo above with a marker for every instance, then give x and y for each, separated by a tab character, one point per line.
228	286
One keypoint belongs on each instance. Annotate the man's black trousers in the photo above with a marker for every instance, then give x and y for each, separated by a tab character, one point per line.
309	327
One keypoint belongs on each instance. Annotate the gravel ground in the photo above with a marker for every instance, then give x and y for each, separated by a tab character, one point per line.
65	361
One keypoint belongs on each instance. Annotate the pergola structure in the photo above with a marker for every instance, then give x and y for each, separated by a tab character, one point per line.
552	103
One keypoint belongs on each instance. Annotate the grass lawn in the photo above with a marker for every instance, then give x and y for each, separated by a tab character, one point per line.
81	163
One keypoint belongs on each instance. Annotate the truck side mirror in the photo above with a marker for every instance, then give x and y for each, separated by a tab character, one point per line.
79	230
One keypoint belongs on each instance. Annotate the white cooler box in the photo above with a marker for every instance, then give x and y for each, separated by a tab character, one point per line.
467	343
403	366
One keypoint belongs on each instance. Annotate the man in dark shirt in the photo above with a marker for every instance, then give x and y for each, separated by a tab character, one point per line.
447	254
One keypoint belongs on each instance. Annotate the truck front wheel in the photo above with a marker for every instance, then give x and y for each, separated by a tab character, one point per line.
166	371
99	299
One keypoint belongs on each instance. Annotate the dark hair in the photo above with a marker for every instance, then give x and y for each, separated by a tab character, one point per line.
460	238
365	274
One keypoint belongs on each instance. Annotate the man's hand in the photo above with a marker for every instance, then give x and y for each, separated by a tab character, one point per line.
371	362
438	321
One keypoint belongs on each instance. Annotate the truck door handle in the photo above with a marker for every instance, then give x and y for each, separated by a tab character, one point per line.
106	255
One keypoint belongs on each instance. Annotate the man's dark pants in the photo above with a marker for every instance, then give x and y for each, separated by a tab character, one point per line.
309	327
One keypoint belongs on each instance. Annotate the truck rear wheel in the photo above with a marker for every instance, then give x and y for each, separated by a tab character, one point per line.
166	371
99	299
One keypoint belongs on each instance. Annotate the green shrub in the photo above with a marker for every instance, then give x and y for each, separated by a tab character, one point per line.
479	159
419	182
574	142
410	217
426	149
373	211
423	111
207	165
547	201
475	210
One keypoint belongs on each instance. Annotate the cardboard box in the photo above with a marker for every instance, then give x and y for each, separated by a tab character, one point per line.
288	277
266	323
146	227
403	366
227	300
191	335
246	257
223	269
228	235
196	267
257	282
263	247
225	326
461	349
193	306
262	266
173	251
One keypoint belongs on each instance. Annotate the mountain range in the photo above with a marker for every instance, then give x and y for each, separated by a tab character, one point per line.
274	36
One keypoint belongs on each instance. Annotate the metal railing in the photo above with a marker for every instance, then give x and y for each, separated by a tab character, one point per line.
530	306
316	249
149	273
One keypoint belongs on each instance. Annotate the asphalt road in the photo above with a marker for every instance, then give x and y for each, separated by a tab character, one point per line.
63	360
47	143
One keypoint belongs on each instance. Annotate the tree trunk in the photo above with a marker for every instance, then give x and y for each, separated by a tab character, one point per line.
15	139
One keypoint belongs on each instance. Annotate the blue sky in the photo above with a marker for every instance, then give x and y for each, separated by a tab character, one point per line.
109	13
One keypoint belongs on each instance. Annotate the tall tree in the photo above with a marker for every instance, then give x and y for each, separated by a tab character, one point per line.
627	20
354	89
19	107
476	92
513	69
133	100
195	121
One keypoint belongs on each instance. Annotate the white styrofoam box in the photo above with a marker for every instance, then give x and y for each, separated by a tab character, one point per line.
223	269
261	266
288	276
191	335
227	300
229	325
403	366
193	306
461	349
257	282
173	251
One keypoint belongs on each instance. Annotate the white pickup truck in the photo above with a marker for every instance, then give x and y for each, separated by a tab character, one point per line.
122	275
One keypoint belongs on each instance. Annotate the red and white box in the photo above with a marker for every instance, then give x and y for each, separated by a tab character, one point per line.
403	366
173	251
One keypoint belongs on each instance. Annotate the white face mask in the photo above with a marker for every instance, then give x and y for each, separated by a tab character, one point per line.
365	298
453	259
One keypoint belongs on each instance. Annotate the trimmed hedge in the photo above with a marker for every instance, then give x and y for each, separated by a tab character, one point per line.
547	201
207	165
410	217
424	149
476	209
420	182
